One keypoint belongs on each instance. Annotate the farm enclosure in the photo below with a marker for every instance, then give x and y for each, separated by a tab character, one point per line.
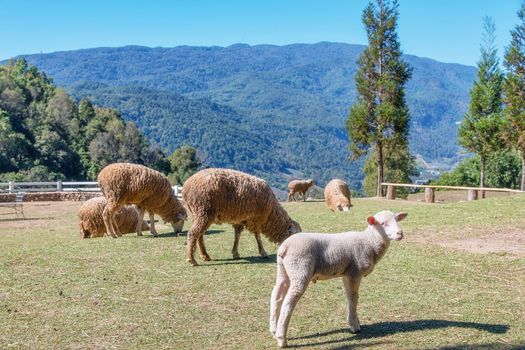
138	292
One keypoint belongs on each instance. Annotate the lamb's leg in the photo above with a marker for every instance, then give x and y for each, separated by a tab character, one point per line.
141	219
152	224
108	216
195	232
352	294
237	229
295	291
202	248
279	291
260	246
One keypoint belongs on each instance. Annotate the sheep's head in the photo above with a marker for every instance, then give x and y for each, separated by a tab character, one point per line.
344	205
310	183
176	217
388	222
294	228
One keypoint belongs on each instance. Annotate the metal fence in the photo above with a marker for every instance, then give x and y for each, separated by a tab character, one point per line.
59	186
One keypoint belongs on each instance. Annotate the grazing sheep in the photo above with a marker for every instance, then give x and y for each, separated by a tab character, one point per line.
92	225
300	187
126	183
229	196
306	257
337	195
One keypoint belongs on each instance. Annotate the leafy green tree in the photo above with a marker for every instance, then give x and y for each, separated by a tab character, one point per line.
514	91
378	121
184	163
480	132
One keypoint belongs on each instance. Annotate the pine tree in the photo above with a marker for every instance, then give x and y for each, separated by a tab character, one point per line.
480	132
379	119
514	91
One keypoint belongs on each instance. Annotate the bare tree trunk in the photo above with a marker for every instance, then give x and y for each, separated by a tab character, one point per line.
379	192
522	187
482	177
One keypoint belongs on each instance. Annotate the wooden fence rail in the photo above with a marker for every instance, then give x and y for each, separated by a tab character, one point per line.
472	192
59	186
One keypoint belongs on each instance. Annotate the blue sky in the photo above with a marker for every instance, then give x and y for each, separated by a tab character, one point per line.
446	30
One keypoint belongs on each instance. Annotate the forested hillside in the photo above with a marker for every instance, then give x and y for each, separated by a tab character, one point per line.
271	110
46	135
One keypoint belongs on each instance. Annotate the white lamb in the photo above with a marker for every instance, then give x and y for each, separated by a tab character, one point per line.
306	257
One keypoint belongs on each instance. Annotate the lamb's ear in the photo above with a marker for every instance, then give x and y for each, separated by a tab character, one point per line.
371	220
401	216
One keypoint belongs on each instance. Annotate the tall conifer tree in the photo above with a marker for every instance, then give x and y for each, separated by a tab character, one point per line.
480	132
379	120
514	90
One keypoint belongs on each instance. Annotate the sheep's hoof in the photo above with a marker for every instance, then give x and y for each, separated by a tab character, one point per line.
192	262
155	234
281	342
236	256
264	255
139	233
205	257
355	329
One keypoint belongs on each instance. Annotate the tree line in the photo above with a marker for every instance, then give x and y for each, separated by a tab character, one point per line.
493	128
46	135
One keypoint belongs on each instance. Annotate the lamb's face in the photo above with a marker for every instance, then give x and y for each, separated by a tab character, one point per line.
388	222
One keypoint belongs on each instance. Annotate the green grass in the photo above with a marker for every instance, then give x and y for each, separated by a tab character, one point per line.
57	291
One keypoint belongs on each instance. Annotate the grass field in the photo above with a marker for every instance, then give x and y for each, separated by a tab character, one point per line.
436	289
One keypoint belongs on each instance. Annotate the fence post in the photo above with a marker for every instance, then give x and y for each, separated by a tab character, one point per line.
391	192
59	185
176	190
11	186
429	195
472	195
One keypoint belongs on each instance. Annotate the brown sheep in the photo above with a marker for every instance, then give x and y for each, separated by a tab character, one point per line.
229	196
337	195
91	224
126	183
300	187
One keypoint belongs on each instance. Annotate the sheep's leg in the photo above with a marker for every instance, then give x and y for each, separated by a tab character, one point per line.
279	291
260	246
195	232
152	224
237	229
295	291
290	196
304	196
202	248
108	215
141	219
352	294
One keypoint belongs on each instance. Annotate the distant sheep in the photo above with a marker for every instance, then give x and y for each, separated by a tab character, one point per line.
337	195
229	196
126	183
91	224
306	257
300	187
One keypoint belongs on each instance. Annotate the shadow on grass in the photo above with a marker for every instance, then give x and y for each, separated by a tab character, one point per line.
382	329
27	219
244	260
183	234
489	346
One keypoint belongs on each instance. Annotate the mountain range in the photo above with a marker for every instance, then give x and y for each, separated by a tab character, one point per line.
275	111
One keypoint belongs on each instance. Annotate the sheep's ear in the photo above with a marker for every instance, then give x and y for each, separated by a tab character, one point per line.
371	220
401	216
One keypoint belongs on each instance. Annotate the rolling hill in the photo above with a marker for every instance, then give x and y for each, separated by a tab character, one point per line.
276	111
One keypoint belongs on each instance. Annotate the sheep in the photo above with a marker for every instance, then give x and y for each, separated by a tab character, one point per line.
337	195
126	183
300	187
92	225
230	196
306	257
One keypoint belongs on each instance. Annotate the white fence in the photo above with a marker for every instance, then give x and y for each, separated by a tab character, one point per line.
59	186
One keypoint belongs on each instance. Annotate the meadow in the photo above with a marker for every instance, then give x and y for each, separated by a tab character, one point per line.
456	281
